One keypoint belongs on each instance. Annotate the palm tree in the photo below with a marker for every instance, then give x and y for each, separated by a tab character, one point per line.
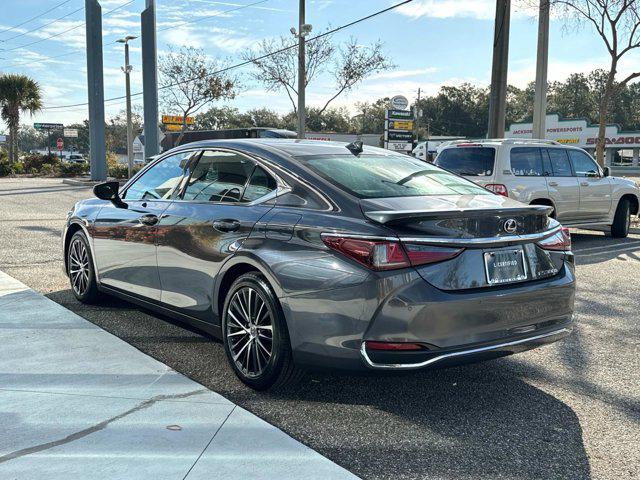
18	94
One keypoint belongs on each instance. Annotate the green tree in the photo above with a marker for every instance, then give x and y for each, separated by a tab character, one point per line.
18	94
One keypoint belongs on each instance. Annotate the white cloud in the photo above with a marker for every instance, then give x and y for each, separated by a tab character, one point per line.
404	73
480	9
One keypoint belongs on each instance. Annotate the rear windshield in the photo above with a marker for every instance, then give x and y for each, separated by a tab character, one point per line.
379	176
468	161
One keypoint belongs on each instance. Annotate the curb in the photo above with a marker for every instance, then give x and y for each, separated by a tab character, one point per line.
86	182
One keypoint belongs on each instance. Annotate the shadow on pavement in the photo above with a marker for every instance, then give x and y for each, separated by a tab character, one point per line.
591	248
474	421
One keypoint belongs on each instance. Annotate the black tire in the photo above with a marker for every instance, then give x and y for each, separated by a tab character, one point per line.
85	289
279	370
621	220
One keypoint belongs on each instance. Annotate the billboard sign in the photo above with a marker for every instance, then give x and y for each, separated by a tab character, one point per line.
176	120
70	132
398	129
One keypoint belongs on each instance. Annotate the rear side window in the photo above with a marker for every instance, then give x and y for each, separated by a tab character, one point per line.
219	177
261	184
583	165
159	181
380	176
526	162
468	161
560	165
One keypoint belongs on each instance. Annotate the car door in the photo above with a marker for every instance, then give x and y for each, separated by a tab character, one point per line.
595	188
562	184
125	238
530	182
218	208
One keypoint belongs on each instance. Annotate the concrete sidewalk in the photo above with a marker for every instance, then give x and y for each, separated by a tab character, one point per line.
77	402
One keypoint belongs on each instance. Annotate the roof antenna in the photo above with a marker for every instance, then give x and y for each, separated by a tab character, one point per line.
355	147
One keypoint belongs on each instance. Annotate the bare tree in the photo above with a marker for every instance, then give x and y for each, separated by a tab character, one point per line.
189	80
277	63
617	22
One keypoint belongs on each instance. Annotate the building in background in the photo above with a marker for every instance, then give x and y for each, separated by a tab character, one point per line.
622	148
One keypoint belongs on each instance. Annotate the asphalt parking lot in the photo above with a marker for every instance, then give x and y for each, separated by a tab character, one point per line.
569	410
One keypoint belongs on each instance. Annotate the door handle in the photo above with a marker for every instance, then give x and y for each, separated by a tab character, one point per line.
226	225
553	184
149	219
584	184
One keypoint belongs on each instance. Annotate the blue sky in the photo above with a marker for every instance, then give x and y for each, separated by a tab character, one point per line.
432	42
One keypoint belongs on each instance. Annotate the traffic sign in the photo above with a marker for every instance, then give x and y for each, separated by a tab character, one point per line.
60	144
70	132
400	102
48	126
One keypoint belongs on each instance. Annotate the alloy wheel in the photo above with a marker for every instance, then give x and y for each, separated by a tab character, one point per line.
249	331
79	267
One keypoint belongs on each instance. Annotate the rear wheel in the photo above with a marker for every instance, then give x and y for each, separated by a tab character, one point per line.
255	335
621	220
80	269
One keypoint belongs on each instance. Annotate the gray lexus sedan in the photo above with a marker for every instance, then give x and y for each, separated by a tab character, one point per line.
319	254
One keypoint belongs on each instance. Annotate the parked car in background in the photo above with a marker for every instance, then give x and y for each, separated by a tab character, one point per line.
76	158
542	172
311	253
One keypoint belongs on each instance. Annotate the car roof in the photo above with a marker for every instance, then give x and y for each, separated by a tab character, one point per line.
291	147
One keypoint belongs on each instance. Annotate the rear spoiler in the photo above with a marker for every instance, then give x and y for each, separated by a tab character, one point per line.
399	216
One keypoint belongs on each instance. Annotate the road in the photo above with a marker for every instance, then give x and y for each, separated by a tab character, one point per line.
569	410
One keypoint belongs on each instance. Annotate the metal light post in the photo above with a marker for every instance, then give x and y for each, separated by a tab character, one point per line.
303	30
127	71
540	102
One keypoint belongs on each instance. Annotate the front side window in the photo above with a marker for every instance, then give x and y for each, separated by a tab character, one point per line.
583	165
468	161
379	176
559	160
160	180
526	162
219	177
261	184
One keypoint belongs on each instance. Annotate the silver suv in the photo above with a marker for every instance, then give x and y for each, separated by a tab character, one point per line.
543	172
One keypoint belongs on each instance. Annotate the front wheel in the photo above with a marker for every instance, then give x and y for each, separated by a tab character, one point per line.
80	269
255	335
621	220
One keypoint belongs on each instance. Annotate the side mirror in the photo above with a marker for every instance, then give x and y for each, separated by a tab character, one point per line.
606	172
109	191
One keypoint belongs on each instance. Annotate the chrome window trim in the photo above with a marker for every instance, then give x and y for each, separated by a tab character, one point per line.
458	242
411	366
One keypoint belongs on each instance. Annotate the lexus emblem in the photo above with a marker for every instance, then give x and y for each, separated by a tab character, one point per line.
510	226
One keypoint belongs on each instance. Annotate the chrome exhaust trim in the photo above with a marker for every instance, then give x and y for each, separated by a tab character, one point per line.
444	356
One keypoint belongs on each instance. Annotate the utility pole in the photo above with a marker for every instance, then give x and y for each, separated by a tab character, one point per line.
540	102
150	79
416	116
95	84
498	95
301	72
127	71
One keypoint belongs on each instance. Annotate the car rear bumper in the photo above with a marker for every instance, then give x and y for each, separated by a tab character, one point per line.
329	328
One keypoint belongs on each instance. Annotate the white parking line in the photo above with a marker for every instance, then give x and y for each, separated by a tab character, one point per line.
615	245
621	250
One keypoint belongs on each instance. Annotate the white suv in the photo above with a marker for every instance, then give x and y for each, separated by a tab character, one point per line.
543	172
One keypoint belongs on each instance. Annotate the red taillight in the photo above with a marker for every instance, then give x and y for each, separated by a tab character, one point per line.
498	189
388	254
559	241
422	254
393	346
377	255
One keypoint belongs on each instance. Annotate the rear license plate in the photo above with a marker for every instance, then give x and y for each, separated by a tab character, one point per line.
505	266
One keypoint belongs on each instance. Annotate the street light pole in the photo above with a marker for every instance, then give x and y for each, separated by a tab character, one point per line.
498	93
540	102
301	72
127	71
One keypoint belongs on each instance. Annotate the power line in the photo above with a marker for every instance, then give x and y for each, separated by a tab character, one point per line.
42	26
67	30
35	18
255	59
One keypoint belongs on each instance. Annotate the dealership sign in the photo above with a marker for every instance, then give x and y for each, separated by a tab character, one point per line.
577	132
176	120
398	130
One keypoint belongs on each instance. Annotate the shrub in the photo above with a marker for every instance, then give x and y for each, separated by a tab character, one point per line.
49	169
35	160
122	170
17	168
73	169
5	169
